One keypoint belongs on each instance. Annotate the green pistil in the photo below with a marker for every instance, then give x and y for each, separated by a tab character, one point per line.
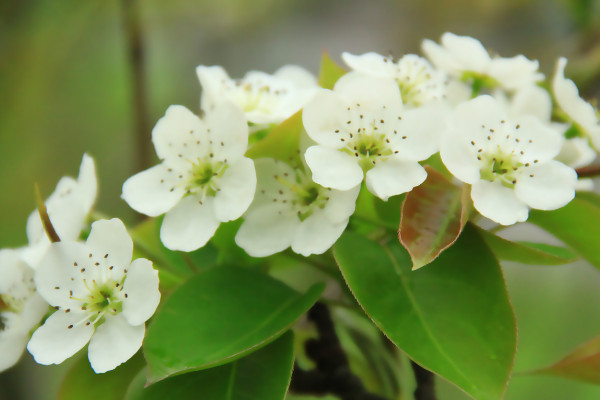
9	303
368	149
309	194
104	299
478	82
203	177
501	167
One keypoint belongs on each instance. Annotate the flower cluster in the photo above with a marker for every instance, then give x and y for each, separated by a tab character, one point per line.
488	119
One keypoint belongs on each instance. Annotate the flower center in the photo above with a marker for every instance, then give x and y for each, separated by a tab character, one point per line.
368	148
307	195
502	167
204	176
104	298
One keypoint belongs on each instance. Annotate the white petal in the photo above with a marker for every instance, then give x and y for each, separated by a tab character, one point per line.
34	253
468	52
440	57
322	116
265	231
87	182
419	133
458	156
370	63
114	342
576	153
297	75
316	234
515	72
228	131
539	141
341	204
333	168
370	92
110	241
189	225
498	203
65	210
175	135
153	191
54	342
213	80
11	348
141	287
532	100
548	186
237	187
394	177
60	272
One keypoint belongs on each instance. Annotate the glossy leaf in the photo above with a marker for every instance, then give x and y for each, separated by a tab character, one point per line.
81	382
264	374
577	224
454	317
528	252
282	143
329	72
583	364
433	216
218	316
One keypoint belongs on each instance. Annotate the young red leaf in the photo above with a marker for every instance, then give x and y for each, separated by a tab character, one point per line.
433	216
583	364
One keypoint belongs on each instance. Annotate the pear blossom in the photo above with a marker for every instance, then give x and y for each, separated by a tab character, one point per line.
21	307
361	128
264	98
289	209
508	163
68	207
465	58
581	113
203	180
101	297
418	81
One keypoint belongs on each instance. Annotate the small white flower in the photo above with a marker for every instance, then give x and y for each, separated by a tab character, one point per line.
291	210
465	57
509	163
580	112
68	208
362	128
203	180
21	308
101	297
264	98
418	81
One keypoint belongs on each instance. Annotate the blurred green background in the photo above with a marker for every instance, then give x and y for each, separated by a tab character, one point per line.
66	89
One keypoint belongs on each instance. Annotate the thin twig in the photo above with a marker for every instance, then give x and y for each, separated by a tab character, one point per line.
135	50
588	172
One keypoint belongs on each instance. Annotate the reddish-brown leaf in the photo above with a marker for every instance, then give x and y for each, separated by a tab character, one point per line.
583	364
433	216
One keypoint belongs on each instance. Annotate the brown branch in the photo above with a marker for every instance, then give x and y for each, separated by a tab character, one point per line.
333	374
588	172
135	50
48	227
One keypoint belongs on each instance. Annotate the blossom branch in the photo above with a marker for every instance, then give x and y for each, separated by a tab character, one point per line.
48	227
589	171
333	374
135	50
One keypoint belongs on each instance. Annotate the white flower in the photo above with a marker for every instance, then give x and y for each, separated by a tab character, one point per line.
291	210
21	308
203	180
68	207
465	57
581	113
509	163
101	297
264	98
418	81
361	127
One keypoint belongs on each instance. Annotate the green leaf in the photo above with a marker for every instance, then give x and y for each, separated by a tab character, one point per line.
218	316
583	364
81	382
329	72
264	374
282	143
528	252
577	224
433	216
454	317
